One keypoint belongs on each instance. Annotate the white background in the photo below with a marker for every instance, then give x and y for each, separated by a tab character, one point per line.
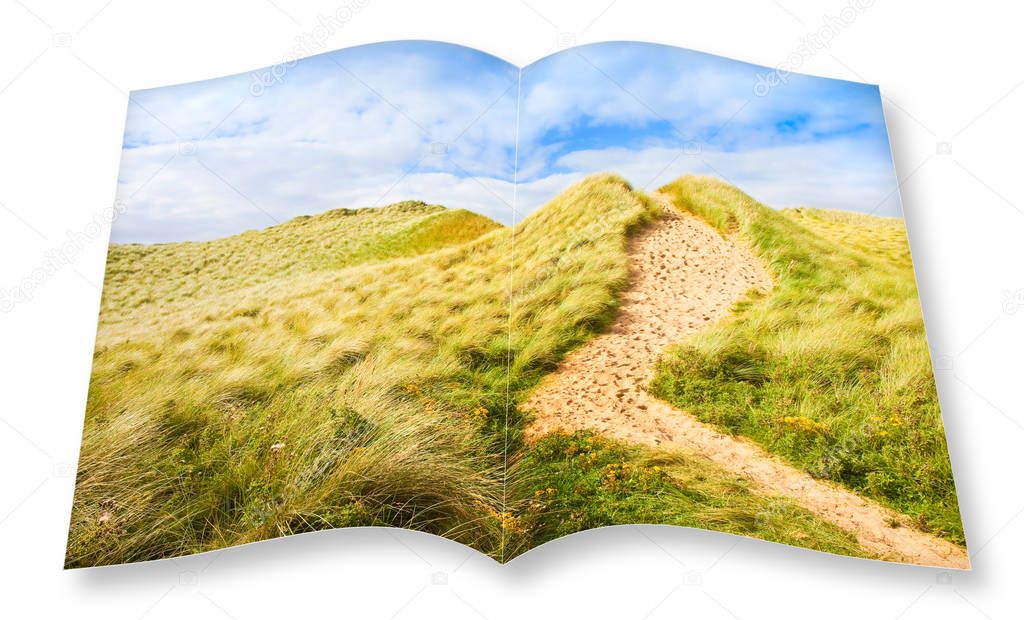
949	76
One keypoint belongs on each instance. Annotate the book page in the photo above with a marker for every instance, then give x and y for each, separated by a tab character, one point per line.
411	285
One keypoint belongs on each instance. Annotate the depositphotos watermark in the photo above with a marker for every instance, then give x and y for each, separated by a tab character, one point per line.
59	257
306	44
810	44
1013	301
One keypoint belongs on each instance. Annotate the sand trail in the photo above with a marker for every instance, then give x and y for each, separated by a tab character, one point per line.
685	276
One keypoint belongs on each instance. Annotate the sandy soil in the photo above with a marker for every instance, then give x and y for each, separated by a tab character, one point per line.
686	276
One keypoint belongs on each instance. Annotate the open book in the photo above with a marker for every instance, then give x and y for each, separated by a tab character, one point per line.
412	285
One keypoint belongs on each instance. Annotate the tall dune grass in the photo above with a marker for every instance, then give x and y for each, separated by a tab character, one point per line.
294	378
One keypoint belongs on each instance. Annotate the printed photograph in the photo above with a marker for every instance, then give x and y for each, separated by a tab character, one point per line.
412	285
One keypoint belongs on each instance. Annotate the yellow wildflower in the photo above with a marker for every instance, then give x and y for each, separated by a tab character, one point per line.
803	423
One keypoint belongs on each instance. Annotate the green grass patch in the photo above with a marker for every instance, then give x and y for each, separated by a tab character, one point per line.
580	481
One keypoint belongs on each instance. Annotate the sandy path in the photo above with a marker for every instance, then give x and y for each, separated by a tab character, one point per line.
685	276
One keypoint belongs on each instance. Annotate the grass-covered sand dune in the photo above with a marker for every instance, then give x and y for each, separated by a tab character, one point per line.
832	369
362	368
170	275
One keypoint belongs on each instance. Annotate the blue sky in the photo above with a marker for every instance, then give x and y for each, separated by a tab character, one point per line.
653	113
380	123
